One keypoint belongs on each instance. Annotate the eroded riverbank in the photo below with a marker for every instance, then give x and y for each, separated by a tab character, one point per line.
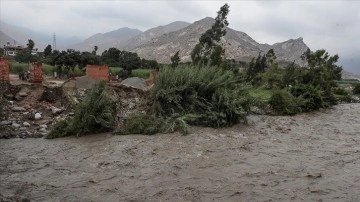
307	157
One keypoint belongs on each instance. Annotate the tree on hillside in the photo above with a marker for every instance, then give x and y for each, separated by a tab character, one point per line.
47	50
208	50
175	59
95	49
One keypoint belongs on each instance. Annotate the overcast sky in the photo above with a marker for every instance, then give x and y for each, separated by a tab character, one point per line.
332	25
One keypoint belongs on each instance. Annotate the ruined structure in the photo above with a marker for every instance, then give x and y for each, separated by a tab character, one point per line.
98	72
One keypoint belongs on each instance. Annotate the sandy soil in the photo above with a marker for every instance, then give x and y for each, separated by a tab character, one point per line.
308	157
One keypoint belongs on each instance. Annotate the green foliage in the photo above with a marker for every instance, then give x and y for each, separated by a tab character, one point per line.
16	67
141	73
96	113
140	124
111	57
48	69
47	50
256	66
356	89
200	96
311	97
115	70
283	103
175	59
208	50
342	95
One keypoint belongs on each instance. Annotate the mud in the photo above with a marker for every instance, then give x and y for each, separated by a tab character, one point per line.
307	157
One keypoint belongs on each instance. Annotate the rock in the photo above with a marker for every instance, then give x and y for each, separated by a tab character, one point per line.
23	94
71	114
26	124
15	125
43	126
11	102
55	110
37	116
5	123
18	109
43	130
22	128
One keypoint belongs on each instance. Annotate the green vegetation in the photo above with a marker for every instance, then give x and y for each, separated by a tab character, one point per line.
141	73
356	89
201	96
283	103
16	67
209	50
95	114
141	124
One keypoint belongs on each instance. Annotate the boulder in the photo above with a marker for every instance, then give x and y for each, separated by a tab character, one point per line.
26	124
37	116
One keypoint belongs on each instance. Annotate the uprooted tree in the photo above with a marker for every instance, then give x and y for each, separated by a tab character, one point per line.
209	50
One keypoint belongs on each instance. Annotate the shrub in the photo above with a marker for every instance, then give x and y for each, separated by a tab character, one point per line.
140	124
48	69
311	97
342	95
206	96
96	113
15	67
356	89
284	103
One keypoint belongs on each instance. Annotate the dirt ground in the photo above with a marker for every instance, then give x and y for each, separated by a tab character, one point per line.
307	157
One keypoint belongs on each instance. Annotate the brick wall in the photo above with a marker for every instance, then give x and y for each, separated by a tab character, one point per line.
36	72
98	72
4	70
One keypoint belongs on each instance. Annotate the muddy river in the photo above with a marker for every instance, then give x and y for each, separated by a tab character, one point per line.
307	157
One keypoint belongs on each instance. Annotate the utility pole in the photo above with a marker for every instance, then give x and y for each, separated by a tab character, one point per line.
54	42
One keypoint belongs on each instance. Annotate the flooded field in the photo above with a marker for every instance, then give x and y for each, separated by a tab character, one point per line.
307	157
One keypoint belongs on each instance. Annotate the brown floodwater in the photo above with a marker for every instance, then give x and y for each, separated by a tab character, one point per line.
307	157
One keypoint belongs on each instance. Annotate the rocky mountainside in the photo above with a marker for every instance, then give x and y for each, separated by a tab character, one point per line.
22	35
4	39
107	40
146	36
238	45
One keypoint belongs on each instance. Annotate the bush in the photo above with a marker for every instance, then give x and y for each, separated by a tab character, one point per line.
356	89
15	67
206	96
95	114
342	95
48	69
140	124
311	97
284	103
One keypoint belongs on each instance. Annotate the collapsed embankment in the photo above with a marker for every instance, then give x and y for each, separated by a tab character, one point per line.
307	157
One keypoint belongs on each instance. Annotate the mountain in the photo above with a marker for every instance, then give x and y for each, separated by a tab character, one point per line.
22	35
107	40
5	39
146	36
238	45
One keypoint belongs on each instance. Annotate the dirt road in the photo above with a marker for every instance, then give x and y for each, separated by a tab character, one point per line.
308	157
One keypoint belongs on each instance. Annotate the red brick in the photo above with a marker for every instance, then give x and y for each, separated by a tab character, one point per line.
98	72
